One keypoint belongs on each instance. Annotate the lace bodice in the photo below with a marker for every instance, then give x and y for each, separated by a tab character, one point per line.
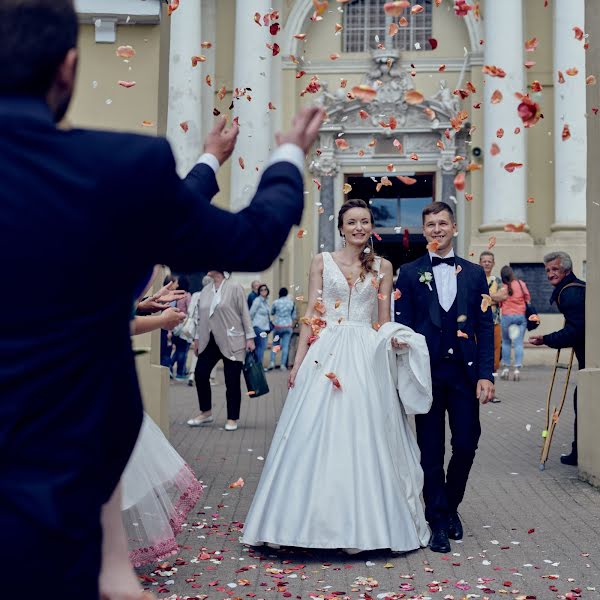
345	303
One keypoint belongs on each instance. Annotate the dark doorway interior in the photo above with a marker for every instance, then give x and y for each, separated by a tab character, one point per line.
397	213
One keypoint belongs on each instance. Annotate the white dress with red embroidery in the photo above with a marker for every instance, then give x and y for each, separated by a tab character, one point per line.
159	490
343	468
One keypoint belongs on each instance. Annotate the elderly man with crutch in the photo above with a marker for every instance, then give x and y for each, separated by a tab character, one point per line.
569	295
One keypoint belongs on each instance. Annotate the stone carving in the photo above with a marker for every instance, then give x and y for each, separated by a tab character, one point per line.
445	100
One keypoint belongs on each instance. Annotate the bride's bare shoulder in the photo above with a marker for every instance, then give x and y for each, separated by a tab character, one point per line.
317	261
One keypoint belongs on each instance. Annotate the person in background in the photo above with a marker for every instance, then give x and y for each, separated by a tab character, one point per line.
180	345
166	338
569	295
497	294
513	321
224	333
284	315
253	293
206	280
260	312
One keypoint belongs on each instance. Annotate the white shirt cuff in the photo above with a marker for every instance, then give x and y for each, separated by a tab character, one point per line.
288	153
250	336
211	160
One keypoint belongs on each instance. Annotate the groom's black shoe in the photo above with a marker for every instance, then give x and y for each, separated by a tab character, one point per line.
455	528
439	541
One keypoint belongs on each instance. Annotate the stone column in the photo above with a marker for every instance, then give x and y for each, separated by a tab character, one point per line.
252	69
569	111
185	85
504	193
326	225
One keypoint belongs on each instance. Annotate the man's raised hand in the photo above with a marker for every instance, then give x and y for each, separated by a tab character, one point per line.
220	142
305	128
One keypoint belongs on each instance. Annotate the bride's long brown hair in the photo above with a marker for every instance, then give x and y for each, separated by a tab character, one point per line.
367	259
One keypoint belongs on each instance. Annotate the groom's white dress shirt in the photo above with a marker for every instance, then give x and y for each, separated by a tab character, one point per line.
445	281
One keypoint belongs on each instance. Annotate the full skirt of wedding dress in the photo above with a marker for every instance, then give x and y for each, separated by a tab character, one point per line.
343	468
159	490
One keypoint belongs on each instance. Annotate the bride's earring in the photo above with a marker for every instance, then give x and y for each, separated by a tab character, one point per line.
343	241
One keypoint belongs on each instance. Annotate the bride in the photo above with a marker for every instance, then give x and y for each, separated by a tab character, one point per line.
343	468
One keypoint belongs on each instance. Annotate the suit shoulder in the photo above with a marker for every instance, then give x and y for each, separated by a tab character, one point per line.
471	266
410	265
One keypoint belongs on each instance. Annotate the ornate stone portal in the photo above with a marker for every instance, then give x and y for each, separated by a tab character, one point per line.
370	140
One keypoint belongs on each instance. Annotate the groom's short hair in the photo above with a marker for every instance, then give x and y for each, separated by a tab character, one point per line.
35	36
437	207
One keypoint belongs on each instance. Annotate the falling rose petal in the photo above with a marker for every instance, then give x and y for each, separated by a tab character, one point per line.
317	183
529	111
398	145
407	180
393	29
469	197
338	28
532	44
433	246
572	71
413	97
147	124
462	334
185	126
320	6
301	233
416	9
334	56
493	71
403	22
334	380
530	200
590	80
208	80
206	45
395	9
512	228
528	64
126	84
433	43
300	36
347	188
241	162
237	484
473	167
390	168
342	144
300	74
414	156
442	68
275	49
566	133
343	83
271	106
363	114
511	166
364	92
471	88
125	52
173	6
517	130
500	133
222	93
578	33
459	182
536	86
440	145
274	28
197	59
429	113
561	77
491	242
386	181
496	97
393	123
257	19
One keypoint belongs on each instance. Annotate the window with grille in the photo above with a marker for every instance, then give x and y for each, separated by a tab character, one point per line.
366	25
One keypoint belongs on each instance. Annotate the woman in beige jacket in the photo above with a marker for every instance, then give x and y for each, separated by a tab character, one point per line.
224	332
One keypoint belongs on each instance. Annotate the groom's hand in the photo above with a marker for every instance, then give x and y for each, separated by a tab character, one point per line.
485	391
220	142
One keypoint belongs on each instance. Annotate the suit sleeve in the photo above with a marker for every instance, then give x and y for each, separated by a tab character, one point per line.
484	332
193	235
572	305
201	182
403	307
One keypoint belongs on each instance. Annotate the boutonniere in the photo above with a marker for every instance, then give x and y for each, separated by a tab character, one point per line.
457	269
426	277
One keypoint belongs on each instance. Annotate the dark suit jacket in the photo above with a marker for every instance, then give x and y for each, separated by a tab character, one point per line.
420	309
84	215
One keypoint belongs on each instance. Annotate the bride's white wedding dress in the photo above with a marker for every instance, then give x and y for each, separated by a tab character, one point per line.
343	468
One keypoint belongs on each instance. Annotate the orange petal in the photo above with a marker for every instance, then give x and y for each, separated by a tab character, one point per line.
529	63
300	36
390	167
571	72
473	167
532	44
301	233
413	97
491	242
126	84
433	246
566	133
334	56
590	80
173	6
430	113
459	182
395	9
221	93
511	227
347	188
334	380
364	92
511	166
416	9
442	68
536	86
495	150
320	6
462	334
363	114
197	59
500	133
393	29
468	198
398	145
125	52
237	484
578	33
440	145
342	144
496	97
403	22
184	125
407	180
241	162
206	45
414	156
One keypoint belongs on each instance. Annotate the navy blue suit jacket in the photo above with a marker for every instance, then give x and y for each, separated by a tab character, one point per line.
84	215
419	309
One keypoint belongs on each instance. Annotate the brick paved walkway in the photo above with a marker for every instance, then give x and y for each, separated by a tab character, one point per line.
529	534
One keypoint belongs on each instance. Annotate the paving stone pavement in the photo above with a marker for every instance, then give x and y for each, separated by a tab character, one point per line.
528	534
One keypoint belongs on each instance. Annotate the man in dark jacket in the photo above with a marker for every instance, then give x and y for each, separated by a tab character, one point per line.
569	295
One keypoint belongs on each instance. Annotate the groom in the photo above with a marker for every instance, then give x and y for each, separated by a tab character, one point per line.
441	298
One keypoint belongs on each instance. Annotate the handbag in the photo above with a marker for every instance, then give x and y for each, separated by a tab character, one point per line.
529	311
187	329
254	375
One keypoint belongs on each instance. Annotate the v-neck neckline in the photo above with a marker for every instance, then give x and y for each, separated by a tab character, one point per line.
342	272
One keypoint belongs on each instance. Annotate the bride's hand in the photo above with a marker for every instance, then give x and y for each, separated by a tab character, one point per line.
292	378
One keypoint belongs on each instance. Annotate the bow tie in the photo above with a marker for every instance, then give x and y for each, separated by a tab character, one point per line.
436	260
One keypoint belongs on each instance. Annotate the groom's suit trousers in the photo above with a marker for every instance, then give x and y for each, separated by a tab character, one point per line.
453	393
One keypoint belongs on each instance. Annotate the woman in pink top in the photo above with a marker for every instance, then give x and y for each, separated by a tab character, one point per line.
513	321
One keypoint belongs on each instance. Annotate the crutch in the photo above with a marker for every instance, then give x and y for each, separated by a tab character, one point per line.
552	418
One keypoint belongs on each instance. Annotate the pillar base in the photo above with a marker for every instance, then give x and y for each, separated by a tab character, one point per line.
588	412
